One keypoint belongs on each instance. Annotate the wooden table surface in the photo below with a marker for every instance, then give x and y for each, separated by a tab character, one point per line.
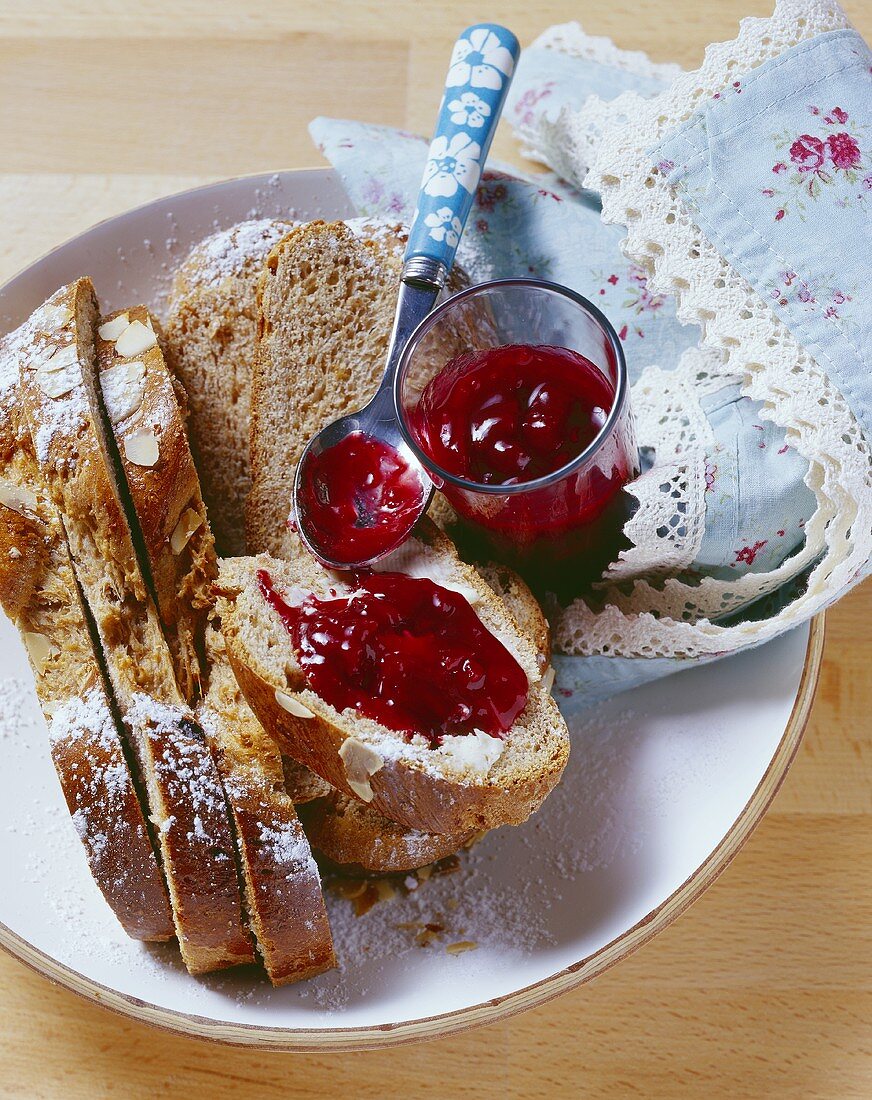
763	988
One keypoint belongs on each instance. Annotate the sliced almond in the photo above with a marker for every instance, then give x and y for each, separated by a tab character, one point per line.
188	523
51	318
59	359
40	650
111	330
57	382
475	752
123	388
548	679
17	498
461	946
141	447
360	763
292	705
471	596
135	339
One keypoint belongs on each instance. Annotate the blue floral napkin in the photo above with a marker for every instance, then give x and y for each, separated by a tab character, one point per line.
734	546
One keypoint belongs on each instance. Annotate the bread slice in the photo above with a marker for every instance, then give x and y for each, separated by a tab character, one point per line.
282	885
211	335
356	837
147	420
458	788
282	889
326	305
357	840
38	591
62	402
327	298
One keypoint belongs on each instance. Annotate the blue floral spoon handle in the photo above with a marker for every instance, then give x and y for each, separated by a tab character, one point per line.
475	89
480	72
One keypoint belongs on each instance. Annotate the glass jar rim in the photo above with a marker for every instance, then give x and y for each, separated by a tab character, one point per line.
621	389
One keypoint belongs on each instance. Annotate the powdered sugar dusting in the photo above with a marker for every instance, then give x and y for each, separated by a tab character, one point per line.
393	234
34	348
226	254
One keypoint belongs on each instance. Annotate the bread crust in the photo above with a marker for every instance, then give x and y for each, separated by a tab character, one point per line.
76	461
39	593
354	837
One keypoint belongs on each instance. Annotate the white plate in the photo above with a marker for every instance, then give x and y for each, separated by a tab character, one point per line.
663	786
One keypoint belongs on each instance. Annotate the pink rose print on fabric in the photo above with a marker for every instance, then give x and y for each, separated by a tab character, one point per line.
748	553
844	151
808	152
825	295
524	109
830	159
632	286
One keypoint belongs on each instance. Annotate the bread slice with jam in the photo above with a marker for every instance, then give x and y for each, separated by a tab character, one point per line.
447	783
356	838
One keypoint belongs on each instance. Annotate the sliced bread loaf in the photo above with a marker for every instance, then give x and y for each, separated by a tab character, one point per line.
326	306
62	401
147	423
211	335
470	782
38	591
282	885
282	889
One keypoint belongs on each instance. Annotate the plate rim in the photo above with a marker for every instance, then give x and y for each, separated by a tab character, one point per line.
369	1037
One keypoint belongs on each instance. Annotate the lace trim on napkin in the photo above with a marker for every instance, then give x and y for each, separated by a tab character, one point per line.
755	346
535	131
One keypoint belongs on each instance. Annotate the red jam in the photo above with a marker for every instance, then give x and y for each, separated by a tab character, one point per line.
361	498
406	652
512	414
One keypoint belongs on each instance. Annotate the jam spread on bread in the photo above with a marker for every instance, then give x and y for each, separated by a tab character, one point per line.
361	496
406	652
511	414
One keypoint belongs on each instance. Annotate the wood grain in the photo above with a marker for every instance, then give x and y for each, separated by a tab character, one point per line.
764	986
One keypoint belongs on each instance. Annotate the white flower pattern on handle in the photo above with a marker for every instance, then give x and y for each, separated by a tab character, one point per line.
480	61
469	110
452	164
445	226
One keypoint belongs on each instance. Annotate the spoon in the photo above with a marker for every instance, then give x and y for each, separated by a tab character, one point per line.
359	490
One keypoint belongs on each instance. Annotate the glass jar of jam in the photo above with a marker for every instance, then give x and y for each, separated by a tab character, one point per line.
514	397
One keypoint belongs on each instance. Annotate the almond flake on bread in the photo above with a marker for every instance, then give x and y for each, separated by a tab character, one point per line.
39	593
211	336
433	790
164	493
186	800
